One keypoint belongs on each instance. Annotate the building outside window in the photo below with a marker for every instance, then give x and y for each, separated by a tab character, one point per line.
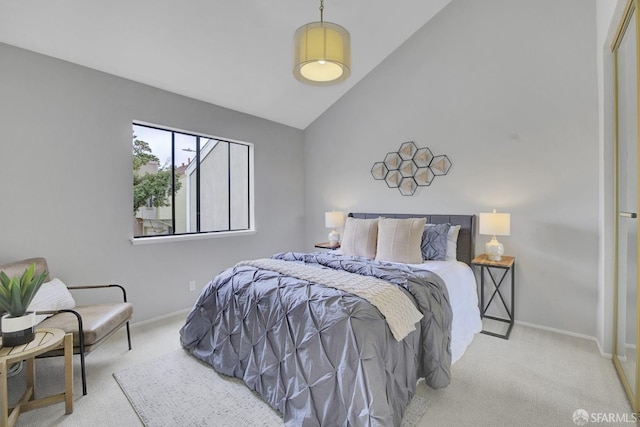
186	183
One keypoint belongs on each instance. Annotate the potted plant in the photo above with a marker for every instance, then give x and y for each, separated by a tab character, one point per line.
18	326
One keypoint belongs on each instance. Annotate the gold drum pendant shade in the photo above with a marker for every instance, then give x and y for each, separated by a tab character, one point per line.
322	53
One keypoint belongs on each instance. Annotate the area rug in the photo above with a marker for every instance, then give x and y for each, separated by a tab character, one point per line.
177	389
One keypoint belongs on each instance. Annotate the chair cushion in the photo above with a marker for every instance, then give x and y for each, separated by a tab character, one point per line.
98	321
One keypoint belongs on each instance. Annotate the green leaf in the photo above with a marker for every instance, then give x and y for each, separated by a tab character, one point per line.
32	289
5	298
27	275
4	279
16	293
4	293
4	306
16	298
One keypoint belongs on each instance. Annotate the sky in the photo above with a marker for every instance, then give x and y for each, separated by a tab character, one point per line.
160	143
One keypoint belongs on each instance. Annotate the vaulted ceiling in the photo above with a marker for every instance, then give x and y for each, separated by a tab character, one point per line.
236	54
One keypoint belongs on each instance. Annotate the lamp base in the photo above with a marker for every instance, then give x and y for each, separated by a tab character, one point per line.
494	249
334	238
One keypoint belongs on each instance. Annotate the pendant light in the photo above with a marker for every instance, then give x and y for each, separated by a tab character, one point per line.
322	54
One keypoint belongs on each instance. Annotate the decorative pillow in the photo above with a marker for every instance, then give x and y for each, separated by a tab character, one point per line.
452	243
399	240
434	242
359	237
52	295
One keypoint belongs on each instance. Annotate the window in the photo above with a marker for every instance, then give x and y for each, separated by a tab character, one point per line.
185	183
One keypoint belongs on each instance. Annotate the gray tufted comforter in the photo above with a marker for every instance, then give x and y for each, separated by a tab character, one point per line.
318	355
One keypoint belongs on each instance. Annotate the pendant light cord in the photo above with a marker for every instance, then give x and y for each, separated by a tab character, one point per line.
321	10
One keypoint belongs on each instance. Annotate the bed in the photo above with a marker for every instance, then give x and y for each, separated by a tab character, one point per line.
331	338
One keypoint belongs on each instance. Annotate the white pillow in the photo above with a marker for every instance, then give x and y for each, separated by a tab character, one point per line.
399	240
359	237
452	243
52	295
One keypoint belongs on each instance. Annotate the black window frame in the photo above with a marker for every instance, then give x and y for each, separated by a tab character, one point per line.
198	137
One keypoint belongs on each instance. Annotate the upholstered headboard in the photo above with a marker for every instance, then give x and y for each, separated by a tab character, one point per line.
466	238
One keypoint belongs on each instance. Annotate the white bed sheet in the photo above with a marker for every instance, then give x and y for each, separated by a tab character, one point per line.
463	297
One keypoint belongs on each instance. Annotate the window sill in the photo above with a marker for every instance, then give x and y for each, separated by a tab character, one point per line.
151	240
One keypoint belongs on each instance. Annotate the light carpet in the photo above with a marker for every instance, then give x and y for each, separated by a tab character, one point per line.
178	389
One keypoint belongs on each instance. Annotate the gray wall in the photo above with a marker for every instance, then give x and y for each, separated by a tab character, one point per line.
508	90
514	108
66	180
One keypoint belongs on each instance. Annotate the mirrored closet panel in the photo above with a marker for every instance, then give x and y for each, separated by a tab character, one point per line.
625	52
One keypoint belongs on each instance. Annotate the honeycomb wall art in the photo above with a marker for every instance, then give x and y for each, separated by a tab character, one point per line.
409	168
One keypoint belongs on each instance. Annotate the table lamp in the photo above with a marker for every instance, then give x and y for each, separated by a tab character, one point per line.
495	224
334	220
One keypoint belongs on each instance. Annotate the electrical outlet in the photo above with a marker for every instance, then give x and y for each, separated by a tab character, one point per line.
192	285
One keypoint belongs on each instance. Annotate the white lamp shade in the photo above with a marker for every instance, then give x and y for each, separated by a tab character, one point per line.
333	219
322	53
495	224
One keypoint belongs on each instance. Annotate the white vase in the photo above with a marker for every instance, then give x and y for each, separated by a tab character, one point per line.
18	330
494	249
334	238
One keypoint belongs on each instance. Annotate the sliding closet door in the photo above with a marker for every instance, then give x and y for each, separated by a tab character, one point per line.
627	242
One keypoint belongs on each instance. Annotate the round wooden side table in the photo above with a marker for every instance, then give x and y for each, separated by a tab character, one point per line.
46	339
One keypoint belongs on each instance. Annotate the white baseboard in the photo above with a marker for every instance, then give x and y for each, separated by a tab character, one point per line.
628	347
572	334
164	316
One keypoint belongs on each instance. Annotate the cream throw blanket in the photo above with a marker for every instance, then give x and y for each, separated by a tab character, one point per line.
400	313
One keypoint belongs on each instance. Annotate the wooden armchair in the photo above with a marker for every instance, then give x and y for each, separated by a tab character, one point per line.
90	325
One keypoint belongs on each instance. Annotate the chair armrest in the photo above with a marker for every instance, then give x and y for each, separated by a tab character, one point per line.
51	311
112	285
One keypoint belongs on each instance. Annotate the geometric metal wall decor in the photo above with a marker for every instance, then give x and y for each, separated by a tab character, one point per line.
410	167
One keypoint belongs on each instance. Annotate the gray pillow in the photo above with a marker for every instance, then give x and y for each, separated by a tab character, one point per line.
434	242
